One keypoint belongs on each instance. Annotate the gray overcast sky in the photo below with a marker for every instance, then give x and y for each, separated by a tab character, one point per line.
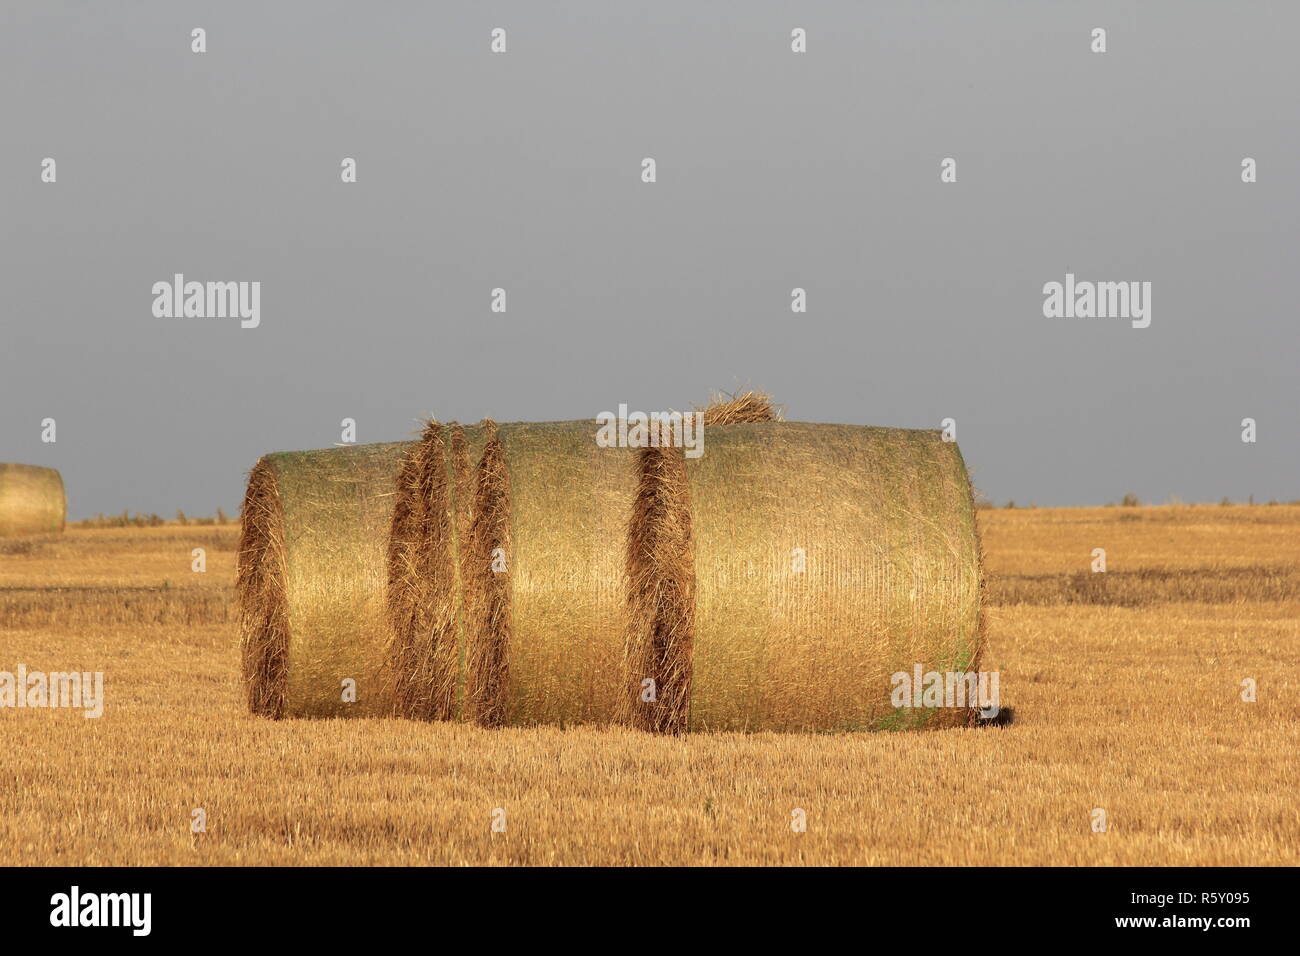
775	170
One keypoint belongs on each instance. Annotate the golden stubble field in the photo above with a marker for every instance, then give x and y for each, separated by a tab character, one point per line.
1126	689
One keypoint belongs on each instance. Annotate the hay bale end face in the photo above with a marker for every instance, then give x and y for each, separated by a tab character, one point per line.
32	500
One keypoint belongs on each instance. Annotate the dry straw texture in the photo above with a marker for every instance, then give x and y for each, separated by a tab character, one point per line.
424	651
260	585
661	596
486	589
31	500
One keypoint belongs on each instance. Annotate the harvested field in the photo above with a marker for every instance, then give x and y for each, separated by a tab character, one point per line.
1128	701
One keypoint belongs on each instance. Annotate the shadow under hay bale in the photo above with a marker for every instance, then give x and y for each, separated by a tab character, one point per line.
1005	717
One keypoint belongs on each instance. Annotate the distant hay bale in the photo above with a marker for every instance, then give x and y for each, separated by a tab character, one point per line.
32	500
520	573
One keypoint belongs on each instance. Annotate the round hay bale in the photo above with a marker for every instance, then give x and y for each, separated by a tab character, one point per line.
549	647
820	560
312	580
32	500
402	566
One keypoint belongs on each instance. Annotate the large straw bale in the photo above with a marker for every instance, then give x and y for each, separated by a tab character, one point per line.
519	573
